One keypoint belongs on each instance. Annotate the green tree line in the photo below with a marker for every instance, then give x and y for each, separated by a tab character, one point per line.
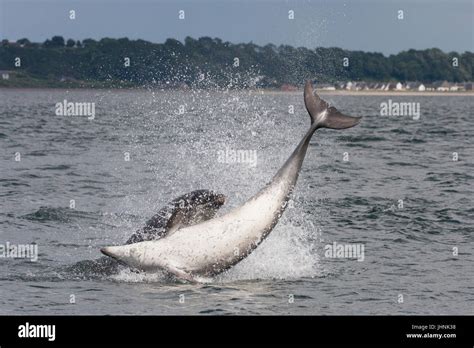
207	62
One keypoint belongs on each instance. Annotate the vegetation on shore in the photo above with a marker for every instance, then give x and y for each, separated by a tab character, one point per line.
210	63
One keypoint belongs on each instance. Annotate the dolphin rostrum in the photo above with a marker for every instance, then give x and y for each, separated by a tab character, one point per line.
198	252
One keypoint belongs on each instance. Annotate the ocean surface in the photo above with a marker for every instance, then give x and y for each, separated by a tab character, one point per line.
400	187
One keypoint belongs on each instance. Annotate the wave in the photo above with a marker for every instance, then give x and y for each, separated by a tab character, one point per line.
59	214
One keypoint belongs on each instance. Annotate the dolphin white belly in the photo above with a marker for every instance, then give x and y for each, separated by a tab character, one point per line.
210	247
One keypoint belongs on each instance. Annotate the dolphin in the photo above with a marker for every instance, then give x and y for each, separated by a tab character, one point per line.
188	209
198	252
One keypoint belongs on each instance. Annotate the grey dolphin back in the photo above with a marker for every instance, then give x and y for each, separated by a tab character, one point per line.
324	116
189	209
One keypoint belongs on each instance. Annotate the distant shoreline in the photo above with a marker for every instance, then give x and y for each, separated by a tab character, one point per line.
375	92
253	91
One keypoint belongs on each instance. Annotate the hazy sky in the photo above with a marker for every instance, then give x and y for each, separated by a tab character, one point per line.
368	25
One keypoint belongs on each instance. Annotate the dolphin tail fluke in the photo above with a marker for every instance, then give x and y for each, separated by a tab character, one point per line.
323	116
335	120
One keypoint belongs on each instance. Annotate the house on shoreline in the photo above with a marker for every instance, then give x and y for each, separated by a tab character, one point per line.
409	86
5	74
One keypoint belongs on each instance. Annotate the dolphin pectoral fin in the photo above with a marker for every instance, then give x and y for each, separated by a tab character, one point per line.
181	274
335	120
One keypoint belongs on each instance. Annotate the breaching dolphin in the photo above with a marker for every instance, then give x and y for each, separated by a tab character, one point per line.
198	252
